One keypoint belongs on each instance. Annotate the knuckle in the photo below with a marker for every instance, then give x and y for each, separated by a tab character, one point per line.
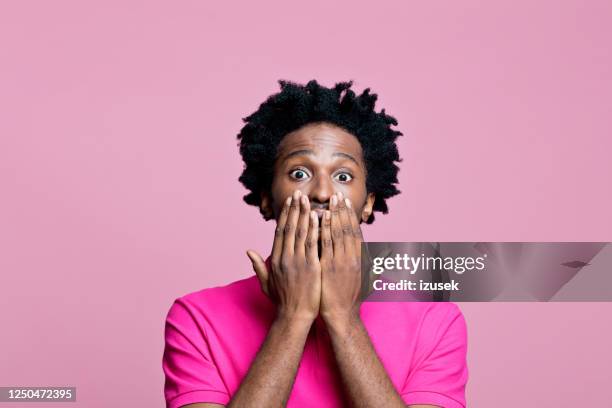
288	228
285	264
311	243
326	242
278	231
300	233
337	233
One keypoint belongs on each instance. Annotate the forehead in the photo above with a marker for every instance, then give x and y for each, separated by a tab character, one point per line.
321	138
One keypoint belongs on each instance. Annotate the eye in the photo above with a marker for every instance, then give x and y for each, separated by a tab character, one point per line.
298	174
343	177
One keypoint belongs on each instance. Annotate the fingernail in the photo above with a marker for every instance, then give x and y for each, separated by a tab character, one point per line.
339	194
288	201
304	199
313	217
327	214
334	200
348	202
296	194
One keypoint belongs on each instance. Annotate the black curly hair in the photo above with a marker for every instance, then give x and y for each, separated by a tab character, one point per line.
298	105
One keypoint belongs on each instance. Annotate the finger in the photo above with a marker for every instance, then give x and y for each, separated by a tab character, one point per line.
327	247
312	252
356	229
348	240
336	227
277	246
292	219
259	266
302	226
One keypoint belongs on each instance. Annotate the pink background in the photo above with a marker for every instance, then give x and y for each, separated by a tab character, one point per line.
119	167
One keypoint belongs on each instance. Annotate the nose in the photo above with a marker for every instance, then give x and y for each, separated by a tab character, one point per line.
321	190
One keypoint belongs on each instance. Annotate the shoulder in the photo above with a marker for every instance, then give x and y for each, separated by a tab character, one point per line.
239	291
242	298
418	313
425	321
442	324
428	322
441	311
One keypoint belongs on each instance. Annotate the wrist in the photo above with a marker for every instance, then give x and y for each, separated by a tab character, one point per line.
293	321
341	323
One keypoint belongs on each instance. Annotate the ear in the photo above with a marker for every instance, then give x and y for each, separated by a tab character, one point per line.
265	208
368	207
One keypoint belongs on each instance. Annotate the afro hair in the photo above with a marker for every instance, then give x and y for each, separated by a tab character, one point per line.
298	105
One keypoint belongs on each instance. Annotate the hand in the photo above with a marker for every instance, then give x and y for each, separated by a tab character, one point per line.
295	279
340	262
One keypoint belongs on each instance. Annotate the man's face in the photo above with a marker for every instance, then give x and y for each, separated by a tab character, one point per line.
319	159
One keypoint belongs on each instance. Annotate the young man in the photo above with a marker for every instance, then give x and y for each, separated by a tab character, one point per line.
319	161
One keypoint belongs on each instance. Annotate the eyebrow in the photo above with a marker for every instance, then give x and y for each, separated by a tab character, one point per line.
308	152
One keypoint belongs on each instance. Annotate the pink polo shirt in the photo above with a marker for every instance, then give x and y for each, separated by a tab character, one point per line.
213	335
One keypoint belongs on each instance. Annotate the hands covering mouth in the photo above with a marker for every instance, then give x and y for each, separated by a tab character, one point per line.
316	260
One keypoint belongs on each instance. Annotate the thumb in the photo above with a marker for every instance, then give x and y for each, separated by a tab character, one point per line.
260	269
